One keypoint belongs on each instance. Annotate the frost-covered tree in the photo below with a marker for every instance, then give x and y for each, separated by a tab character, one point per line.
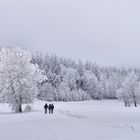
70	76
80	68
91	85
64	92
18	77
124	96
129	90
47	92
111	87
75	93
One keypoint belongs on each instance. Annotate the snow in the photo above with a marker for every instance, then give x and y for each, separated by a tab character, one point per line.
88	120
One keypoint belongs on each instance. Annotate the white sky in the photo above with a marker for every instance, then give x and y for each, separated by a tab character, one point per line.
104	31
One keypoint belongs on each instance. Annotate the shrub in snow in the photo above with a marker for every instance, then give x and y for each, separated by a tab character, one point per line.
28	108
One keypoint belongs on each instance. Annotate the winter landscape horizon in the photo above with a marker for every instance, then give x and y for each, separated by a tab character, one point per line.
69	70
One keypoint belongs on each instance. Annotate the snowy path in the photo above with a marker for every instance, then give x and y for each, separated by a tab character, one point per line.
105	120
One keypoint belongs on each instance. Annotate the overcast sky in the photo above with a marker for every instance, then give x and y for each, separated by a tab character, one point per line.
104	31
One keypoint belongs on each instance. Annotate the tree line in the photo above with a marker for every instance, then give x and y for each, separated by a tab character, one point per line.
24	77
69	80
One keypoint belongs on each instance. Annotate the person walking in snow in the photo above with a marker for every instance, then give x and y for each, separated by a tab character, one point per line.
46	108
52	108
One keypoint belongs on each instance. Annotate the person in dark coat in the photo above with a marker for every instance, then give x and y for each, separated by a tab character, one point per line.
46	108
50	108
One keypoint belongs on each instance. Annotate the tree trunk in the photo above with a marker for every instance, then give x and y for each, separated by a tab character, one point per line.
20	105
134	99
126	104
135	103
20	108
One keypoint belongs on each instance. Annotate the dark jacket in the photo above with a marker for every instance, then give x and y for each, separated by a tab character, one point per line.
45	106
52	106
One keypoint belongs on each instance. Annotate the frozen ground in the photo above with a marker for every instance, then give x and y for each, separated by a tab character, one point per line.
90	120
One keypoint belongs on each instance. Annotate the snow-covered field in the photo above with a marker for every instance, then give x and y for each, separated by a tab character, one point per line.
89	120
